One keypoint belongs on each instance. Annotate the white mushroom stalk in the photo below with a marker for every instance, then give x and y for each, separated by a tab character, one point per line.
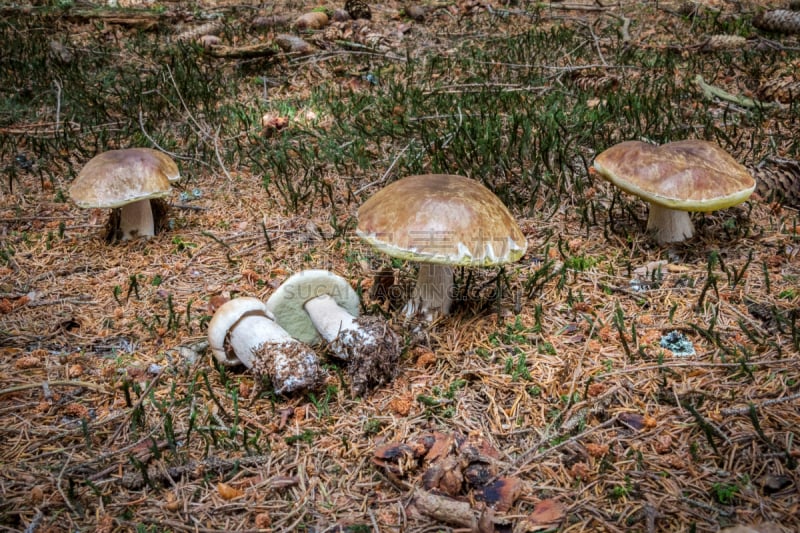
317	305
136	220
369	346
243	332
433	293
669	225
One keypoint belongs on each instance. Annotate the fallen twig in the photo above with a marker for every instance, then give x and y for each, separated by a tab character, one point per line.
745	410
243	52
711	92
58	383
196	469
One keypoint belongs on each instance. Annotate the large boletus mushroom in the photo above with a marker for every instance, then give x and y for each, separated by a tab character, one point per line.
676	178
440	221
126	179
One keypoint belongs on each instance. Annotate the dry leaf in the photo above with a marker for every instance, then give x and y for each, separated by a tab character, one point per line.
315	20
579	471
545	515
227	492
400	406
500	494
596	389
596	450
263	520
663	444
444	477
632	420
441	446
293	44
476	447
425	358
26	362
397	458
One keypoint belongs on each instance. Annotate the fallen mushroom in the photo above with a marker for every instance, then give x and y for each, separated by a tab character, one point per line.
317	304
126	180
440	221
242	331
676	178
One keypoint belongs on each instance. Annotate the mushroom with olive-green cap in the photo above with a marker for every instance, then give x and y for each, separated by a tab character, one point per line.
440	221
313	305
675	179
126	179
242	331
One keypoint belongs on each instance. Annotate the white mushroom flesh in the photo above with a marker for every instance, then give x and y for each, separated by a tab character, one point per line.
669	225
251	333
136	220
337	326
432	296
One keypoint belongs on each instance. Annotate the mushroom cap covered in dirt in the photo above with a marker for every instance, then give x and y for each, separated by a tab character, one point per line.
690	175
118	177
223	321
287	302
443	219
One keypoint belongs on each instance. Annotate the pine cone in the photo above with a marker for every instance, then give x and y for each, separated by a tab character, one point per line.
596	84
193	34
785	90
779	20
724	42
358	9
778	180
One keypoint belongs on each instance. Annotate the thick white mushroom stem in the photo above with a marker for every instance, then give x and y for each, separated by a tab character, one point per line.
369	346
669	225
432	296
336	325
136	220
266	348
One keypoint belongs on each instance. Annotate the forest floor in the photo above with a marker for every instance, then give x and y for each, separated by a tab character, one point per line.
554	403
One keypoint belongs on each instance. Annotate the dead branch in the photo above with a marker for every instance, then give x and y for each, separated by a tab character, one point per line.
444	509
133	18
243	52
196	469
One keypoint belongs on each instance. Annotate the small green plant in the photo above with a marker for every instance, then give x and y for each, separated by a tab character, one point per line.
518	368
306	436
183	246
322	404
724	493
512	334
580	263
620	491
788	294
372	426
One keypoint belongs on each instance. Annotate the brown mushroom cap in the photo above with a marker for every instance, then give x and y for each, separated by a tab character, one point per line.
440	218
689	175
118	177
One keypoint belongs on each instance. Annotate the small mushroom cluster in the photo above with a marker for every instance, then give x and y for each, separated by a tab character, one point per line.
275	338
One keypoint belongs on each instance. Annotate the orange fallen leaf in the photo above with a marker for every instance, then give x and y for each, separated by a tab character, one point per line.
546	514
596	450
227	492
